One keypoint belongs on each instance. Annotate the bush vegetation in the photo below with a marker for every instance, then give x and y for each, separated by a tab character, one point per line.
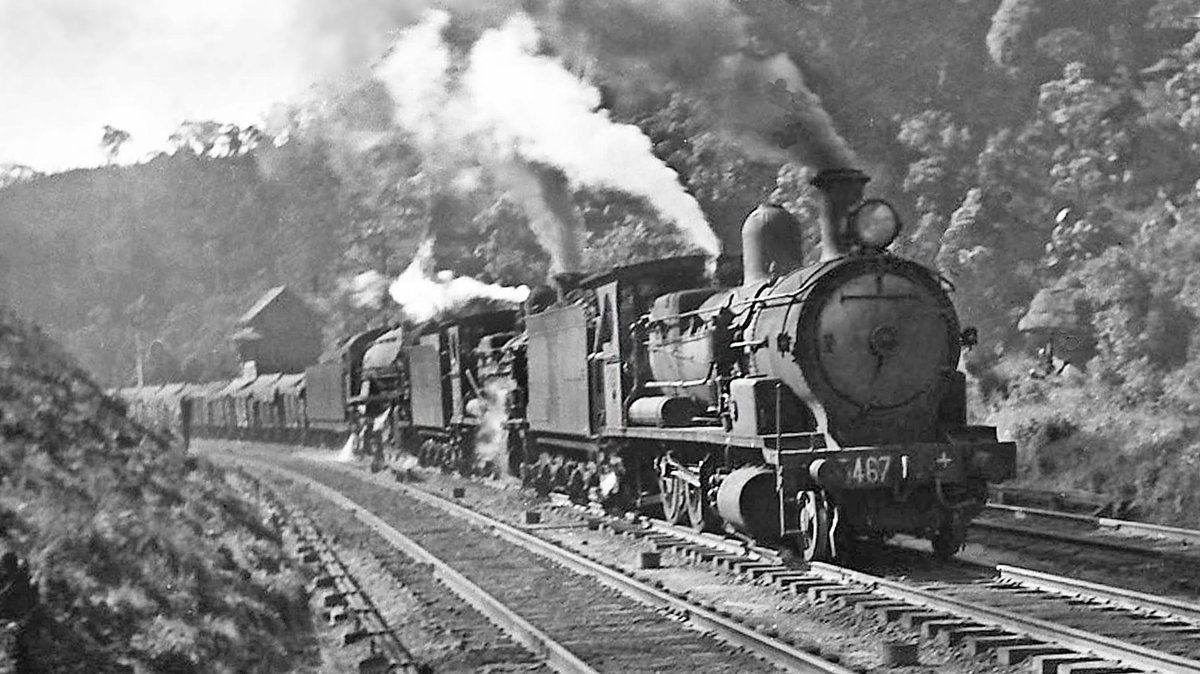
145	558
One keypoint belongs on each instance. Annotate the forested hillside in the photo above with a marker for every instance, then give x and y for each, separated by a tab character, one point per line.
1030	144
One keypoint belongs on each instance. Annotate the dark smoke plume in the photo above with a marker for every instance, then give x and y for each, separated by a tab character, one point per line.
543	193
702	47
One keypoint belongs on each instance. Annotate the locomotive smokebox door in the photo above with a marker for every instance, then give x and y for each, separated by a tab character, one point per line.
756	401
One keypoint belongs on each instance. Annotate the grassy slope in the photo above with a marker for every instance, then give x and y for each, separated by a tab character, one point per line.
146	558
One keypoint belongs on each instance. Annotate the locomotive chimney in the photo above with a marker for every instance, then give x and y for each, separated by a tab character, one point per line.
842	189
770	244
565	282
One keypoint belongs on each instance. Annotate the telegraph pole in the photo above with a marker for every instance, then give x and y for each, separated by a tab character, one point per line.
141	371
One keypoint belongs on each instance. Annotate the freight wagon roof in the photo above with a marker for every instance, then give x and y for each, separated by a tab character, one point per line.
174	391
233	387
148	392
261	389
208	389
291	383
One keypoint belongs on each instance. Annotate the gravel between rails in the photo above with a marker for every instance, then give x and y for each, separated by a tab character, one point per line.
609	631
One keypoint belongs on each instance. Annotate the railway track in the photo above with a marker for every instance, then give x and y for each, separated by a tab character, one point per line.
344	599
1015	615
1113	537
577	614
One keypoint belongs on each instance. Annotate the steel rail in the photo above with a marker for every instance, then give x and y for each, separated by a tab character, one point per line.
404	659
1079	640
555	654
1085	541
1142	529
1018	511
306	533
1186	536
1114	595
772	650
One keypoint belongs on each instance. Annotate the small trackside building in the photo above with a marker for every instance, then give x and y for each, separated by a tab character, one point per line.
280	333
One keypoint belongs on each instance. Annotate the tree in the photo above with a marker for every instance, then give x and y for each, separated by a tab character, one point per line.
111	142
199	137
15	173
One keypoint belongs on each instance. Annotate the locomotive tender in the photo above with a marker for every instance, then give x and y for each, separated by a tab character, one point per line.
819	405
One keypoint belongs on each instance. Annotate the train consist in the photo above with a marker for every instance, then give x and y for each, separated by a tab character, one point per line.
820	405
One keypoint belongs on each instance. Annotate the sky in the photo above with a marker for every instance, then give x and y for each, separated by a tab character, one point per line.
69	67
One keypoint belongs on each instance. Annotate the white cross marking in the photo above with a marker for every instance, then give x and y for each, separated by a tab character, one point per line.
944	460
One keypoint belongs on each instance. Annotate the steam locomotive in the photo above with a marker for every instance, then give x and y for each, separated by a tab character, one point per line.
819	405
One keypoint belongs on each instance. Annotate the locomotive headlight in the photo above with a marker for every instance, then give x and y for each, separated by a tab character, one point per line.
875	224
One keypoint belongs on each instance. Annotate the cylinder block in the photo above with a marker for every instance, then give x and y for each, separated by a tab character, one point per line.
749	500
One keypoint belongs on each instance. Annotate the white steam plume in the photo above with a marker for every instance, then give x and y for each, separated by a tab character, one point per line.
346	455
416	73
491	440
532	107
423	298
505	106
367	289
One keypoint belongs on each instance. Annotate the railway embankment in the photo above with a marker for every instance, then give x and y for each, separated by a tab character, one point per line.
121	553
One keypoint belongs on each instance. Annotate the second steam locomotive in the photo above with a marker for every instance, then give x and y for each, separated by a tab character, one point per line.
816	404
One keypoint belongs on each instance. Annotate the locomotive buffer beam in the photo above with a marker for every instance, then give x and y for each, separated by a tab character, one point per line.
892	465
